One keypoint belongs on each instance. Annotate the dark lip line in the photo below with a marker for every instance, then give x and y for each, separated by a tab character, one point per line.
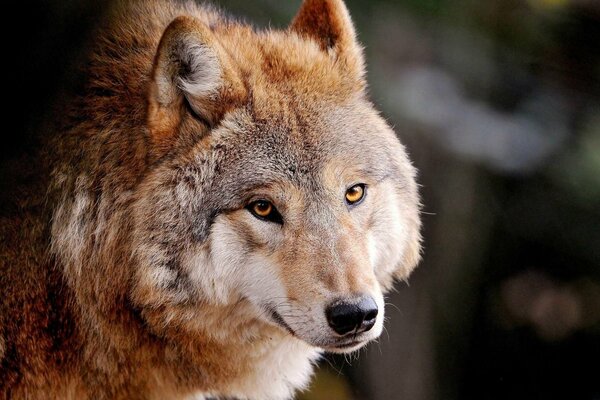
276	317
349	344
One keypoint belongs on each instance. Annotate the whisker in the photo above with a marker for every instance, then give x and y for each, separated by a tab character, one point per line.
393	305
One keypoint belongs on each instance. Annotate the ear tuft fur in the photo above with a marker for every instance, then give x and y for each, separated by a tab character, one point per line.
328	23
190	66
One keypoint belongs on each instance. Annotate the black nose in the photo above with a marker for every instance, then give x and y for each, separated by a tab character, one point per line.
344	317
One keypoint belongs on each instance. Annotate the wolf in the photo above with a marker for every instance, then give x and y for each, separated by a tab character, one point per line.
215	206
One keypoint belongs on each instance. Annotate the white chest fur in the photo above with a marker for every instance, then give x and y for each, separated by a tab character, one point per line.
281	368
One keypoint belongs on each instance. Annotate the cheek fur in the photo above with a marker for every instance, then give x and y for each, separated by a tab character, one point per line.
234	264
387	235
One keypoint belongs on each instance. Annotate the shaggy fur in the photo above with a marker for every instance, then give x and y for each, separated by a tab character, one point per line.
130	266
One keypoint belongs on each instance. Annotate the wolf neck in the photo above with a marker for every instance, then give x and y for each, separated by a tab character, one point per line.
258	363
205	350
281	367
241	360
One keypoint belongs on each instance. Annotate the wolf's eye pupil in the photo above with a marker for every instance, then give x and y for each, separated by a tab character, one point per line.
355	194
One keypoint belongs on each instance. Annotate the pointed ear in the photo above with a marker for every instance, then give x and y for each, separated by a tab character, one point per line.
190	66
328	23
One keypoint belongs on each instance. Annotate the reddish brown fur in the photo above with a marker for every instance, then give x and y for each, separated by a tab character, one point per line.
78	318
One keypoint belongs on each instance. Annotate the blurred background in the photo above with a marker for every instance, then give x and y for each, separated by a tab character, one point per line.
498	102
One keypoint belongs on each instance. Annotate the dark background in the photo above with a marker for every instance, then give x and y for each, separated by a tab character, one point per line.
498	102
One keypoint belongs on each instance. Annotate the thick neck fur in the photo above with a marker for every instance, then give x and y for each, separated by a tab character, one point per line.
119	350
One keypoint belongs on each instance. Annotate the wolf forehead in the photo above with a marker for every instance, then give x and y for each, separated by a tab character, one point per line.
278	133
245	153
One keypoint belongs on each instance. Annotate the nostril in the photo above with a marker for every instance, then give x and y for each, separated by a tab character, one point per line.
371	315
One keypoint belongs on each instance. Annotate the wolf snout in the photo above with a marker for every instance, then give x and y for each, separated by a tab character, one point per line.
352	316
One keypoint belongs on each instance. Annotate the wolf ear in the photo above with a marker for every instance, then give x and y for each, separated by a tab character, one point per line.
190	66
328	23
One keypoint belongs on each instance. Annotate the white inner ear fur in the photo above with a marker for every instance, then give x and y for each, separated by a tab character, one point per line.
202	77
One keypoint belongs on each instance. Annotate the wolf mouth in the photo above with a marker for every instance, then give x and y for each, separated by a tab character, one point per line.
348	344
336	345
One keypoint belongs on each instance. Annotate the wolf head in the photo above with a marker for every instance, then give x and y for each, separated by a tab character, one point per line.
273	182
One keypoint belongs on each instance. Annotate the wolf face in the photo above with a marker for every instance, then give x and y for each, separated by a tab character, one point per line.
274	186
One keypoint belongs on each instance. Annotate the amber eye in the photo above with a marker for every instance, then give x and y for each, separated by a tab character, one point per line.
263	209
355	194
